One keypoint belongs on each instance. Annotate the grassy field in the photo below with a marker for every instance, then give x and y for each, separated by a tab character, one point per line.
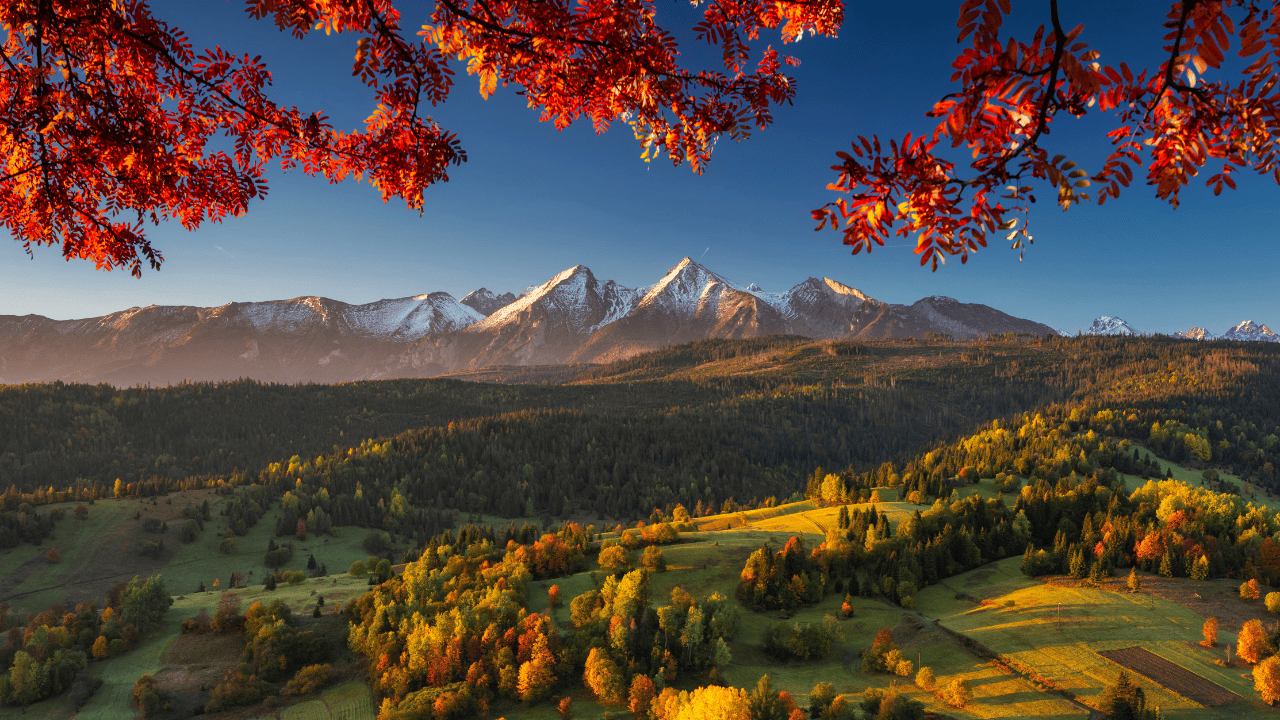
1021	620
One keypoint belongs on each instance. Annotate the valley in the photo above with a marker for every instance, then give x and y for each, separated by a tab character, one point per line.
708	514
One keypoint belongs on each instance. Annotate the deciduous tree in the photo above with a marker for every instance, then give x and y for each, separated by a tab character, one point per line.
1178	118
111	112
1252	642
1266	680
1210	630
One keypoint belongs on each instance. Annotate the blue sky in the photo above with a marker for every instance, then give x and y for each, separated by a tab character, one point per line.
532	201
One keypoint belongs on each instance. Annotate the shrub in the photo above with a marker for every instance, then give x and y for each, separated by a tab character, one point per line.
820	698
238	689
147	697
52	556
227	546
1273	602
810	641
652	559
189	531
117	647
1249	590
615	559
925	679
308	680
959	693
375	543
357	569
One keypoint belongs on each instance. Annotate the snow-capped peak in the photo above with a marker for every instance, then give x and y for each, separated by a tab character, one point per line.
1249	330
485	302
1107	325
754	288
1195	333
683	287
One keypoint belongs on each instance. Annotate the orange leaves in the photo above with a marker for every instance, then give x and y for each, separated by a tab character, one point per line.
74	169
1009	92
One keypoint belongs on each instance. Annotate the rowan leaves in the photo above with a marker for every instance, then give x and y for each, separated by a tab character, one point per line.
108	112
1173	119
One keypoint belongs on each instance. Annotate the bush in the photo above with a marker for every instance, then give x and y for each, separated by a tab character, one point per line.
925	679
227	546
357	569
959	693
1273	602
890	705
238	689
652	559
147	697
375	543
804	642
820	698
308	680
1249	591
189	531
615	559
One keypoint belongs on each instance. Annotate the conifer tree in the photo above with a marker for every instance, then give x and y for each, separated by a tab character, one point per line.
1135	583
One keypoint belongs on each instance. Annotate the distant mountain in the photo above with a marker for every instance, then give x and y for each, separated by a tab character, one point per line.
1195	333
306	338
688	303
1107	325
485	302
1249	330
572	318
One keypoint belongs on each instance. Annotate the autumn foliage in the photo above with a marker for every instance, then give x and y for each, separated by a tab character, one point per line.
1210	630
1175	119
110	113
1252	643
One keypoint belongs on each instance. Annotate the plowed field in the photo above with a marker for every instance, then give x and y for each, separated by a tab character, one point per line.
1174	677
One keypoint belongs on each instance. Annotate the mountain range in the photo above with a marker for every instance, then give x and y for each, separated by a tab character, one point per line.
1247	331
572	318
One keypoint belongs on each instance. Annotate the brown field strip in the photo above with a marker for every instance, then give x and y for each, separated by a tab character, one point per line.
1171	676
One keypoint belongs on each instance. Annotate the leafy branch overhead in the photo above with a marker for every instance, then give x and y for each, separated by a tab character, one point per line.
1173	119
109	112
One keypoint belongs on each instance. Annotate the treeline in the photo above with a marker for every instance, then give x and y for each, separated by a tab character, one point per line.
463	640
1066	510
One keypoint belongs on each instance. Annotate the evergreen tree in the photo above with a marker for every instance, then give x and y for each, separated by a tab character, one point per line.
1135	583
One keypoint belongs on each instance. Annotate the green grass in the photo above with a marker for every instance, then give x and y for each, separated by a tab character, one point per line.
1093	620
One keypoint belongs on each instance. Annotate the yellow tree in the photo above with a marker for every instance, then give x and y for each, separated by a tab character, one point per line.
535	681
959	693
1249	590
602	677
1266	680
100	648
1252	642
1210	632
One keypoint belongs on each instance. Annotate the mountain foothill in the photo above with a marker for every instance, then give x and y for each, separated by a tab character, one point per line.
572	318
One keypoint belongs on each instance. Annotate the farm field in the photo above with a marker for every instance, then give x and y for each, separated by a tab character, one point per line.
1019	618
995	606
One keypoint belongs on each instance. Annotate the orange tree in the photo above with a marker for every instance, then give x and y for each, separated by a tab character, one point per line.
108	111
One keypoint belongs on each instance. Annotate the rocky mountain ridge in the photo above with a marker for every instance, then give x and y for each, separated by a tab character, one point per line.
572	318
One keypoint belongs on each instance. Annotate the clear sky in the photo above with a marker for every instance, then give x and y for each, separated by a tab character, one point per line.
533	201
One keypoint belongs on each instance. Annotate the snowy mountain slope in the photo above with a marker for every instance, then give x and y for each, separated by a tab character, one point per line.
572	317
1107	325
689	303
1195	333
485	302
1250	331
